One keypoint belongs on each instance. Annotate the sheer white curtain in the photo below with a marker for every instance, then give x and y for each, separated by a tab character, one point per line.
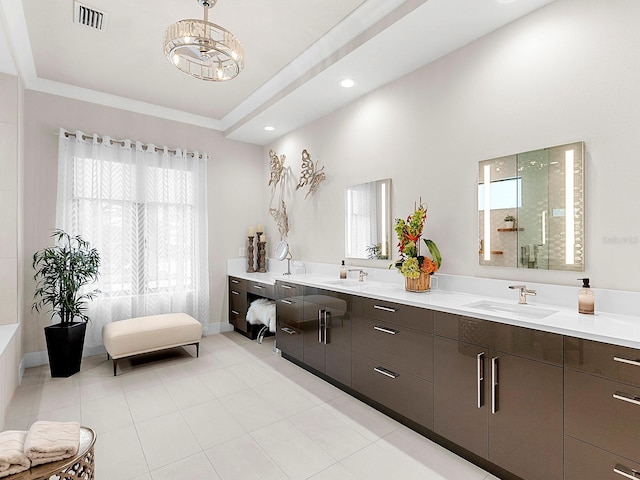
146	213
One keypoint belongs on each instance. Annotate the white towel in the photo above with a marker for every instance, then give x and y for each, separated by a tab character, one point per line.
532	252
262	311
12	457
52	441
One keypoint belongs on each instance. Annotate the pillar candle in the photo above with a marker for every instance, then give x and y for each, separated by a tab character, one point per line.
251	231
260	228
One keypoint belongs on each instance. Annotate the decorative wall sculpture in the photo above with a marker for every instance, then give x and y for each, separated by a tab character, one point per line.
310	175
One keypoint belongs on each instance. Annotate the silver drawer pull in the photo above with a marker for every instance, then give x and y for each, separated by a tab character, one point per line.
287	287
386	373
480	378
234	281
233	292
626	471
627	361
235	313
627	398
494	385
288	330
258	287
287	302
390	331
384	309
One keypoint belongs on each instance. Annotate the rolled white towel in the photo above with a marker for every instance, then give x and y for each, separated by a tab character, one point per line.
262	311
12	457
52	441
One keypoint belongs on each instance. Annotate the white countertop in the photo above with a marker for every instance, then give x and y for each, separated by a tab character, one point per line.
603	327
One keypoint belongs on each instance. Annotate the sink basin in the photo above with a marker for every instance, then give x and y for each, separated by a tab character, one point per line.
514	309
344	282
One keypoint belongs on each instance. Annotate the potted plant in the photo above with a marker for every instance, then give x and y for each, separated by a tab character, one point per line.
510	221
61	273
416	269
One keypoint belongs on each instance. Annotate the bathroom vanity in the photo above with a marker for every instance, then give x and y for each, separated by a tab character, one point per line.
526	403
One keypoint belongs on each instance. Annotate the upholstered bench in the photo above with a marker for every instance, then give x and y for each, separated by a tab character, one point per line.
149	334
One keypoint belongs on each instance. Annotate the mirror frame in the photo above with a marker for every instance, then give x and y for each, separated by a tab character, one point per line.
533	187
380	249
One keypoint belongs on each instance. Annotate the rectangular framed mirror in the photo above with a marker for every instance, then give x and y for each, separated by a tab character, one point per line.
368	220
531	209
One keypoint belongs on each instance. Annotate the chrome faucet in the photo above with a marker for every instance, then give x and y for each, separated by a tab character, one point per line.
361	273
523	293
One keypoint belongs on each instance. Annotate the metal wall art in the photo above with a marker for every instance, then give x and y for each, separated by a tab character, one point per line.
281	219
277	167
310	175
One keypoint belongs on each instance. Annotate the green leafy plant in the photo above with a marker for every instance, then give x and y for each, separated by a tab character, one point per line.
375	252
61	272
509	218
409	231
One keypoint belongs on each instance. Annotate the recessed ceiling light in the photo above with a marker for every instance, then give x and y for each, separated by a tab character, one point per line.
347	83
269	128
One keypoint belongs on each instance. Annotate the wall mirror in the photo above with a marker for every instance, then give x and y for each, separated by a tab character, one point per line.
368	220
531	209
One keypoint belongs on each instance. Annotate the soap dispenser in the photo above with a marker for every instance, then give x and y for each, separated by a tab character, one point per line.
586	298
343	270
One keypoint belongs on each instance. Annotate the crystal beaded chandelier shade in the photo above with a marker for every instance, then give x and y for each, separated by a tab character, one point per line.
202	49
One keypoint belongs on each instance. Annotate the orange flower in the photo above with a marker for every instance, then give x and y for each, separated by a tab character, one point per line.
428	266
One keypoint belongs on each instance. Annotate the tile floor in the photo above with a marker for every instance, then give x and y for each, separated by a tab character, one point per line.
239	412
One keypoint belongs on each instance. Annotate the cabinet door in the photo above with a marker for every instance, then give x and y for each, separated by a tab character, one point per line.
525	419
460	394
327	331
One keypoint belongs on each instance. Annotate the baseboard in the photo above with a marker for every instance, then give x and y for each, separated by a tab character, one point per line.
219	327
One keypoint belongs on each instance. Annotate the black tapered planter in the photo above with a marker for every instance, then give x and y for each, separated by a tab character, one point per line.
64	345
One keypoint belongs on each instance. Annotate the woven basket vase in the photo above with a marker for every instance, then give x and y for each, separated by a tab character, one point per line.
420	284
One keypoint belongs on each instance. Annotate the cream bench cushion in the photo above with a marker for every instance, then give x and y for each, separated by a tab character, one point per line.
148	334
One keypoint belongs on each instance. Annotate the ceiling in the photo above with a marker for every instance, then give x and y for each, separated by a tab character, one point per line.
296	53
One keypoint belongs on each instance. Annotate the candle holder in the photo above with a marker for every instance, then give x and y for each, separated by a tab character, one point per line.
262	257
260	267
250	267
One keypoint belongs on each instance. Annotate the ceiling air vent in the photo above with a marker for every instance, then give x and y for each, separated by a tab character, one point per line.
90	17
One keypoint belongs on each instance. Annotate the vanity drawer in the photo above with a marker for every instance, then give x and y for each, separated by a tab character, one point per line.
400	391
289	339
402	348
236	283
583	461
595	411
412	317
261	289
238	301
603	359
286	289
525	342
290	309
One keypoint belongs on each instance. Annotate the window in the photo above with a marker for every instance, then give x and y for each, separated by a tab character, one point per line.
145	212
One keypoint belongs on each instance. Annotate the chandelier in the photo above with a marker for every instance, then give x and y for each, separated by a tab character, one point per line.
202	49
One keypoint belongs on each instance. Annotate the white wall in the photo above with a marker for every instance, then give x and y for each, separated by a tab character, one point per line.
565	73
235	174
9	126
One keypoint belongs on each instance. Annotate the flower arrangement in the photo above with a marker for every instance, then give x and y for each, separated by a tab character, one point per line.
411	264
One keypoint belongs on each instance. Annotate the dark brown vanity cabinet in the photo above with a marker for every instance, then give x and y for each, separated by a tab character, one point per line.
326	333
393	357
289	319
602	410
241	293
238	304
498	393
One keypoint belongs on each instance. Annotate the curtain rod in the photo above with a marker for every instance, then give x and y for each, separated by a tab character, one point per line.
121	143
